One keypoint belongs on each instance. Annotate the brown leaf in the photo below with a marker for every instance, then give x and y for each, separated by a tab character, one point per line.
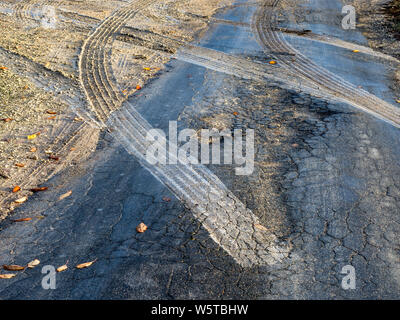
33	263
55	158
85	265
21	200
39	189
65	195
7	119
13	267
20	165
141	227
7	276
16	189
23	219
51	112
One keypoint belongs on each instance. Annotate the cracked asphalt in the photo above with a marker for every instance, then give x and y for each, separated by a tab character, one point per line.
325	186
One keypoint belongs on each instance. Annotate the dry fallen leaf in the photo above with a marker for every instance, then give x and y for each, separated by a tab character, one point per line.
62	268
51	112
16	189
235	113
13	267
356	50
20	165
85	265
7	276
272	62
65	195
260	227
138	87
7	119
78	119
33	149
32	136
21	200
23	219
51	118
141	227
39	189
3	68
147	69
33	263
52	157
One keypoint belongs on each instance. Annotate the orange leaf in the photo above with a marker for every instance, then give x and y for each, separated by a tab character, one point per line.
138	87
16	189
85	265
20	165
39	189
12	267
23	219
33	149
235	113
272	62
62	268
51	112
7	119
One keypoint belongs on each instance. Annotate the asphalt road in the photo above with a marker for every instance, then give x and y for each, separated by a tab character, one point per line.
325	187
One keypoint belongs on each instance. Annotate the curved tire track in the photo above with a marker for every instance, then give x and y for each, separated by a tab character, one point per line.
265	27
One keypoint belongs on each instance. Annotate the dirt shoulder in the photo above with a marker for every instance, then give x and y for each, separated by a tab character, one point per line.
40	132
379	21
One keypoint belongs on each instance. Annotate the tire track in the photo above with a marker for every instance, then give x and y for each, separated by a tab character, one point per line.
229	223
264	25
